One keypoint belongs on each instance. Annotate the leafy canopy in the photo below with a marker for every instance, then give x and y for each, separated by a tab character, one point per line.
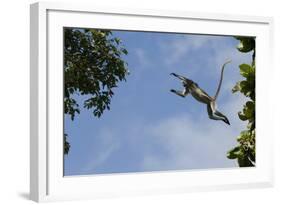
92	67
245	152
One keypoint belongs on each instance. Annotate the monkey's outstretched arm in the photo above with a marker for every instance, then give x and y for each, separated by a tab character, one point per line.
179	76
219	87
180	93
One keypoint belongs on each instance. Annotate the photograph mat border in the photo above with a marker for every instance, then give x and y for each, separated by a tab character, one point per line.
44	178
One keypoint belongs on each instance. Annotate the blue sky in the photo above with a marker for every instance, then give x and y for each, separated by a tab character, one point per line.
148	128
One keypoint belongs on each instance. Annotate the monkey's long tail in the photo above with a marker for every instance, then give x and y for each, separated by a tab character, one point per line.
219	87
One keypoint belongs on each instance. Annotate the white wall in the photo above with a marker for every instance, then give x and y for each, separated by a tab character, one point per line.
14	101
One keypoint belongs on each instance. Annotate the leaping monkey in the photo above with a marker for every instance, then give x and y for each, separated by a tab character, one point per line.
201	96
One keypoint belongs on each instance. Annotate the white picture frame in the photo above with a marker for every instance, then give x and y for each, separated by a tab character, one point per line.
47	182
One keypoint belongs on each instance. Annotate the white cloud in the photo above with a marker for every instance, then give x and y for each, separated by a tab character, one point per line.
181	47
143	63
105	145
188	50
177	142
142	58
194	144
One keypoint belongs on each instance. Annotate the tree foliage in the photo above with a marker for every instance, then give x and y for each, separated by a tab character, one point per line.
245	152
92	67
66	145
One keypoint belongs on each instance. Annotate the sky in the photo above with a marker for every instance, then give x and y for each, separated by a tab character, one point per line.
148	128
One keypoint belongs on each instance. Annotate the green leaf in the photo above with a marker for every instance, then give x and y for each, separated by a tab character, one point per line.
236	88
242	116
244	161
249	109
246	44
234	153
66	144
117	40
246	70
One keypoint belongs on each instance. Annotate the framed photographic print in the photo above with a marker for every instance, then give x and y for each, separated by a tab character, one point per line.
127	102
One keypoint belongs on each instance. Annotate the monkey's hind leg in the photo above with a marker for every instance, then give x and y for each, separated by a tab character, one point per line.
180	93
219	113
225	119
211	113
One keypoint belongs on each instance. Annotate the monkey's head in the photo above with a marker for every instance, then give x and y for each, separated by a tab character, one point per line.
187	82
